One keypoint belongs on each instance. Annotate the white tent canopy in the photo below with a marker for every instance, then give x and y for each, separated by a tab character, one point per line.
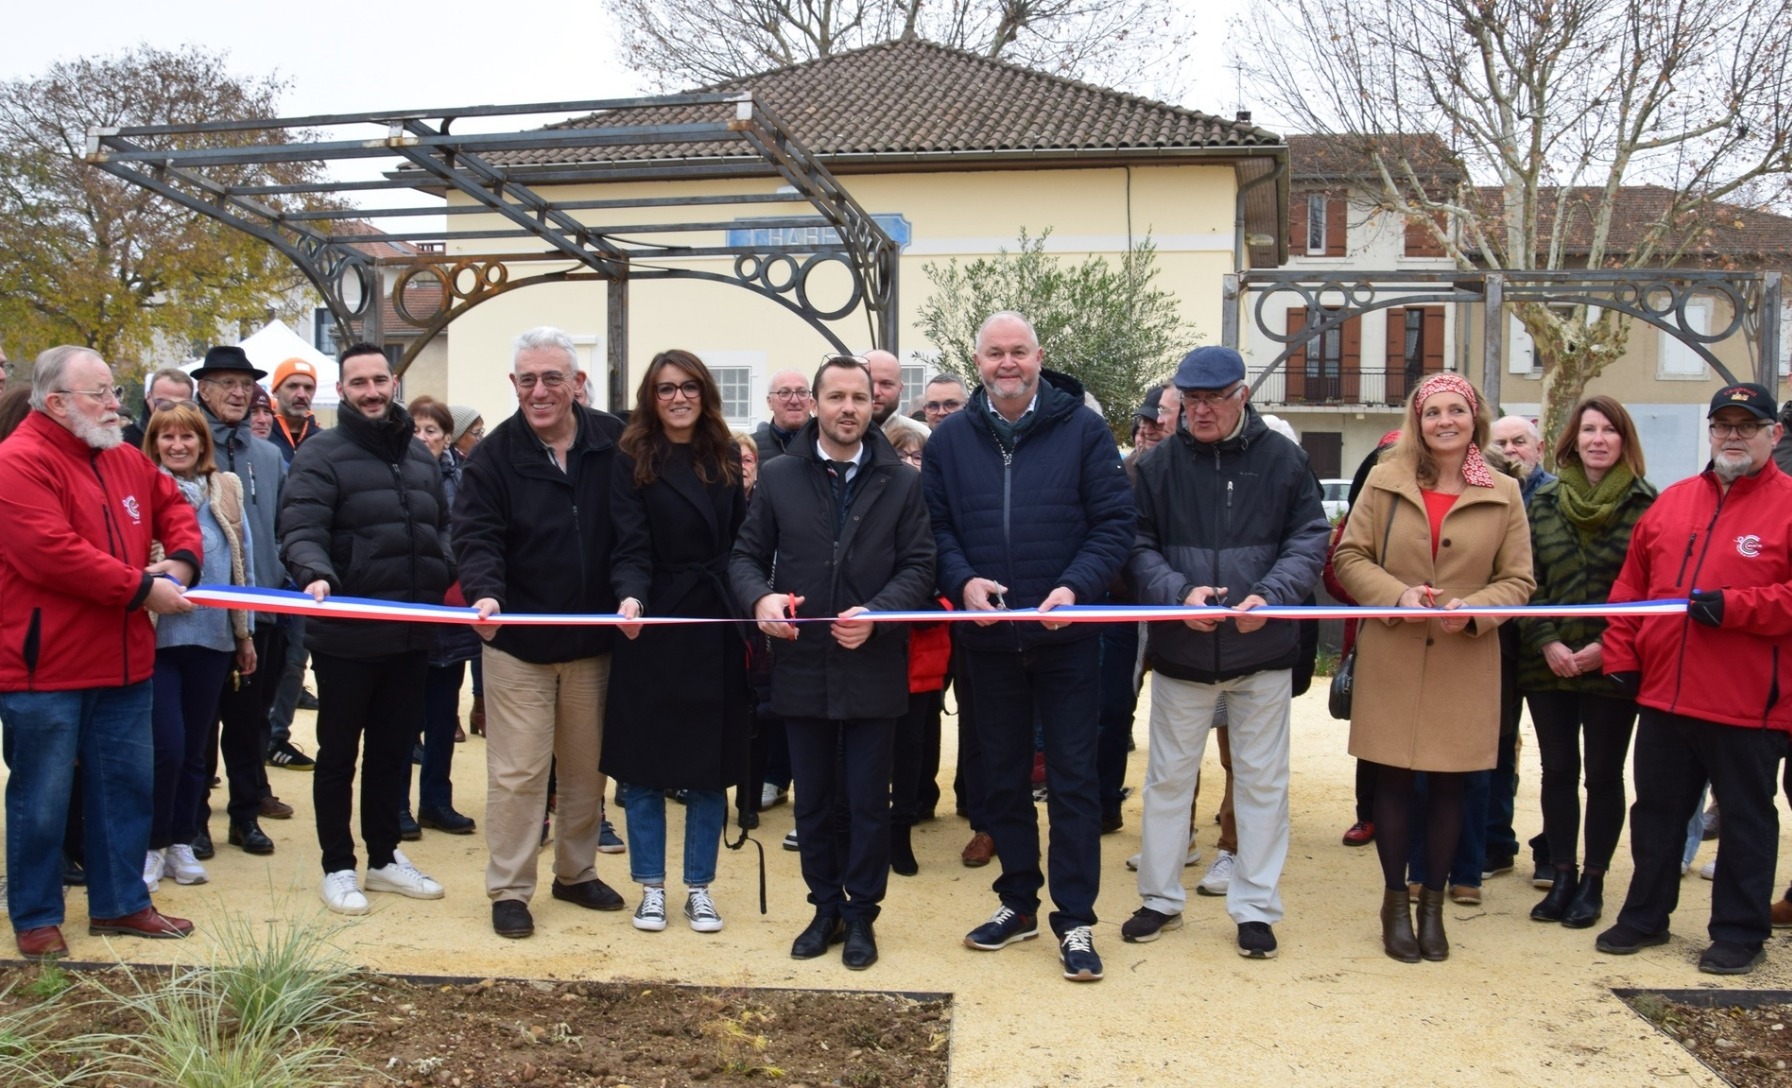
273	344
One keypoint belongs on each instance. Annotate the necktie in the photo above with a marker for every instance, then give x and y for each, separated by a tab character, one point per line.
837	470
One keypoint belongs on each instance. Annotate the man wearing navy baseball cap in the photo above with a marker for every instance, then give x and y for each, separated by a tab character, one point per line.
1713	687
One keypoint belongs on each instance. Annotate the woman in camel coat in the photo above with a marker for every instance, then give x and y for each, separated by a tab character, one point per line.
1434	527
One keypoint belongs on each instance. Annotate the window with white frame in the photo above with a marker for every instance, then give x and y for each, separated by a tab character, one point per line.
736	385
914	385
1676	359
1316	205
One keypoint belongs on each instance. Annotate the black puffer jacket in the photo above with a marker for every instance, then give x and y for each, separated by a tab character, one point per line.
1243	513
364	511
882	559
536	539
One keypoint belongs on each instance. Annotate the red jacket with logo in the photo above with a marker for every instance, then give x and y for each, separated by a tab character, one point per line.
75	527
1699	537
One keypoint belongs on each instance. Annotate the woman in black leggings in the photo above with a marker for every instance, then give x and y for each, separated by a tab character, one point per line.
1580	530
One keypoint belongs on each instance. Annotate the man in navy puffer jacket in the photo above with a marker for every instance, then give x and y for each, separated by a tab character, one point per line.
1031	509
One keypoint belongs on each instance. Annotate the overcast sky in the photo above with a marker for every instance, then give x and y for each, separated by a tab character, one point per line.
446	53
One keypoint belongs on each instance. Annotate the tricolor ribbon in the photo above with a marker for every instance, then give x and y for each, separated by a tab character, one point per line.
291	602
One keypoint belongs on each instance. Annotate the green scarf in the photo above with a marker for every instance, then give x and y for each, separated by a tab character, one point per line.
1589	508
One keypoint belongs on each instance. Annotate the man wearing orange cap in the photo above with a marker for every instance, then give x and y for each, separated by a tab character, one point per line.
295	383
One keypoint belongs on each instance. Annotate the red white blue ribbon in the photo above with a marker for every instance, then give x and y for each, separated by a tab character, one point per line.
291	602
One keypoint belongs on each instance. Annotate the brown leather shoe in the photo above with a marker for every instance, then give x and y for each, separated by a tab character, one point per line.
41	943
1466	894
147	922
476	720
1782	913
272	808
979	850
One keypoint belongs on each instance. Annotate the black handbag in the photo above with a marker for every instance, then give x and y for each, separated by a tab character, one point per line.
1344	679
1338	702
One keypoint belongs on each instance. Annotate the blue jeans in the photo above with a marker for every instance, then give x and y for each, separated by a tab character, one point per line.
704	812
1471	845
441	711
185	700
1054	687
46	732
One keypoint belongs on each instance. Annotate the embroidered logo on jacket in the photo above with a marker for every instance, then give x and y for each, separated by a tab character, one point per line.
1749	547
130	507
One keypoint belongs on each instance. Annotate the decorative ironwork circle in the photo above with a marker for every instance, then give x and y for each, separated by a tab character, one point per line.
354	286
402	287
852	300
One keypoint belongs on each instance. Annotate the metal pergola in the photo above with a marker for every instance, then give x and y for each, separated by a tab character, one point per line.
1658	297
232	172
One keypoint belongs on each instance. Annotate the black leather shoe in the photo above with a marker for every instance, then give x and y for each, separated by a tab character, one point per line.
73	875
1588	903
861	945
445	819
902	852
510	918
249	835
591	894
202	845
1555	905
408	828
825	930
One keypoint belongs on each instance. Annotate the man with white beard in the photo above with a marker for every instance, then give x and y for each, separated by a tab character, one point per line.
77	647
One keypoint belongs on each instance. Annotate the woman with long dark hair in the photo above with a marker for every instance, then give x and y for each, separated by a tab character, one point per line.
1434	528
1580	531
677	709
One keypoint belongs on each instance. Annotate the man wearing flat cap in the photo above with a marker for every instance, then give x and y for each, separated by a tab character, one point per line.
1713	687
1229	513
226	383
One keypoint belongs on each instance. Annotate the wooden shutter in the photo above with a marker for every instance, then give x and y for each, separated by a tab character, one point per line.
1350	367
1420	241
1431	339
1297	225
1337	213
1394	366
1294	370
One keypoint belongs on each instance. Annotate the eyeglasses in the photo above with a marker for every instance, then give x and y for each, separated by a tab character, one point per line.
231	385
799	393
552	380
859	359
474	433
667	390
1748	428
943	405
114	394
1212	400
913	457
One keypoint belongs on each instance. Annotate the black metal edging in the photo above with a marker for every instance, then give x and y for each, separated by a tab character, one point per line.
1708	999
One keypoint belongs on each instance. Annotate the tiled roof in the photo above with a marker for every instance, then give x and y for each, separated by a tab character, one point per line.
1340	157
915	98
1729	230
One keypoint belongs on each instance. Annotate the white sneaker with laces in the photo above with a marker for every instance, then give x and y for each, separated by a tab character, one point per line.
1194	858
651	914
404	878
1709	869
342	893
1219	875
180	863
700	911
770	795
153	870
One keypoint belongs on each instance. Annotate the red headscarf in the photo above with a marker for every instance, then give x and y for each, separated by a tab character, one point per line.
1474	466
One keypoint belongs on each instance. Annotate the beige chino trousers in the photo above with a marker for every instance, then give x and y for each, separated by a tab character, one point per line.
536	715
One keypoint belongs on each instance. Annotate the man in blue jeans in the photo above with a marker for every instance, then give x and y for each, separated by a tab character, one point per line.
1031	509
77	648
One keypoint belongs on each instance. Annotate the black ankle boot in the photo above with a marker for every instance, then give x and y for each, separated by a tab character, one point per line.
902	852
1396	926
1555	905
1433	945
1589	902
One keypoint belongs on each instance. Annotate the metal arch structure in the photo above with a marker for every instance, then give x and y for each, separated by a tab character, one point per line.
227	170
1658	297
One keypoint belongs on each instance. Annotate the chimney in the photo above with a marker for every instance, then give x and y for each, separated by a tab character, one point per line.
1243	117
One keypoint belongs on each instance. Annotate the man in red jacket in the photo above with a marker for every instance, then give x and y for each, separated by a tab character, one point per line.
77	647
1714	686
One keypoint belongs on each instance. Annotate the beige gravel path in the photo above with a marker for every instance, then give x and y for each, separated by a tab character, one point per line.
1518	1003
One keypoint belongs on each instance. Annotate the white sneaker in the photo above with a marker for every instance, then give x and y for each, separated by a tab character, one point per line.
700	910
342	893
1219	875
402	877
651	914
153	864
770	795
1193	858
180	863
790	840
1709	869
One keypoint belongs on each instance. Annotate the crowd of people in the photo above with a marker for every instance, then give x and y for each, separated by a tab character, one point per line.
120	701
